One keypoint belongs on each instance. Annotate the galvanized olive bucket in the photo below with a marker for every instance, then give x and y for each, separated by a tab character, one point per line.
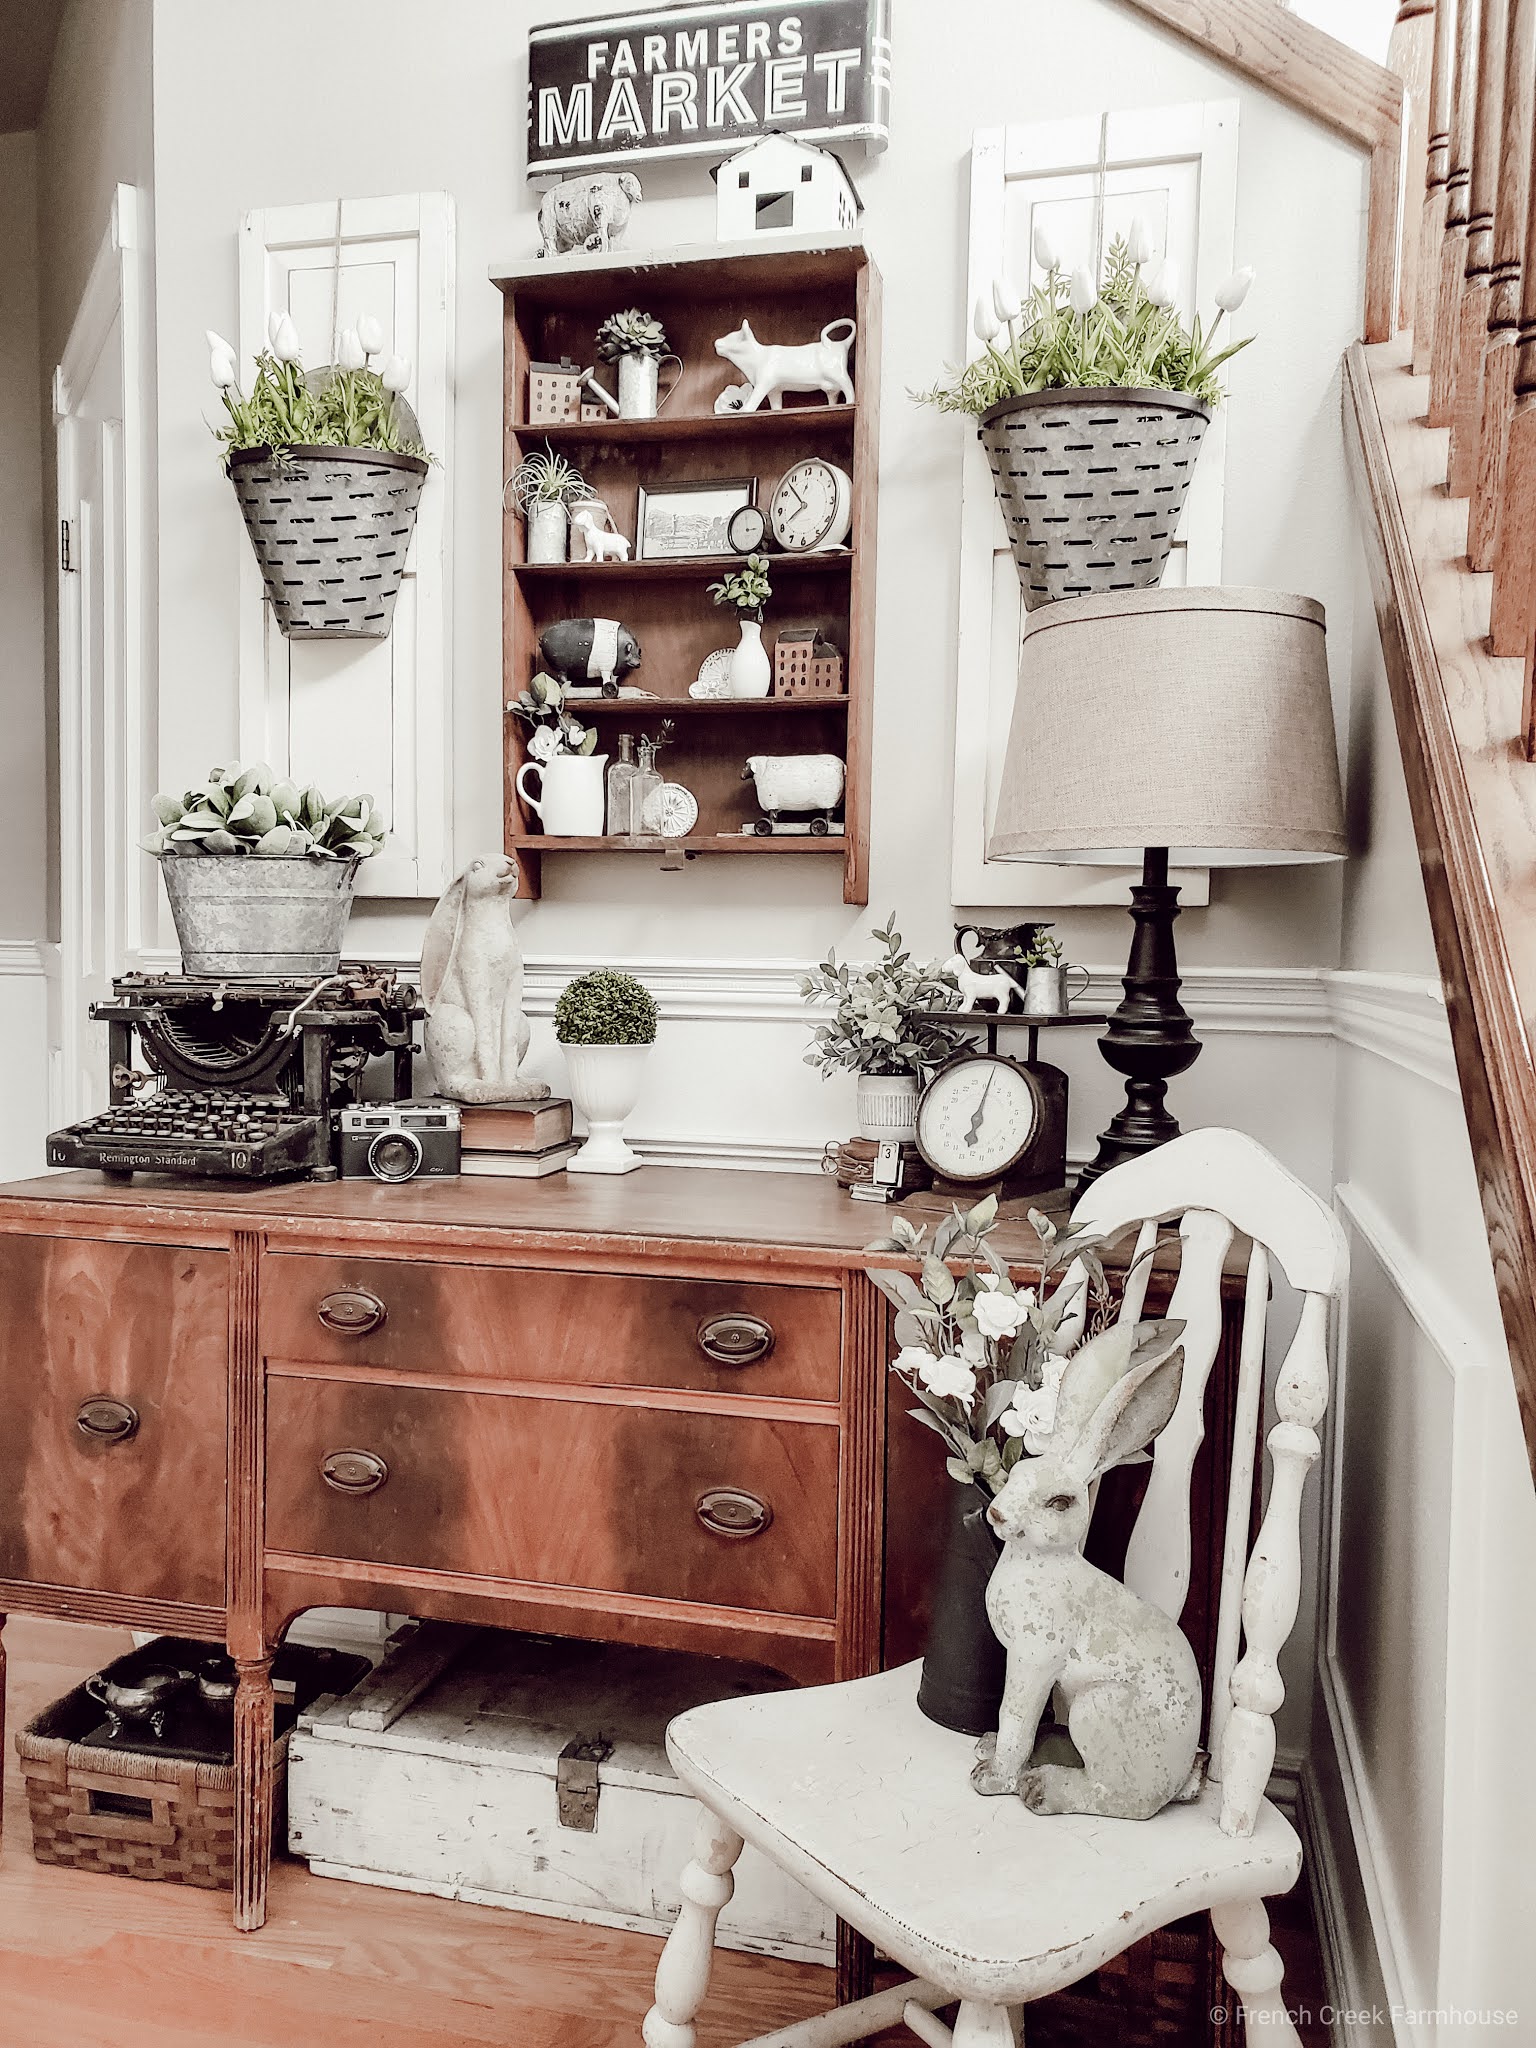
331	527
1092	485
259	917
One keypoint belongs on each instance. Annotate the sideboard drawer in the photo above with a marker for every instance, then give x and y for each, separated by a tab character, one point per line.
112	1417
501	1322
609	1497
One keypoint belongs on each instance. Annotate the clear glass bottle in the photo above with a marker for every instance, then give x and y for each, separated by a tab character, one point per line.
623	806
647	778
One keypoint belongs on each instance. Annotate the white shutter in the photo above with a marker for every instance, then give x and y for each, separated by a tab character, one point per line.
1085	180
374	715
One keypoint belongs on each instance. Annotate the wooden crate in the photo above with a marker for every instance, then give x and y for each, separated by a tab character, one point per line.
132	1813
443	1773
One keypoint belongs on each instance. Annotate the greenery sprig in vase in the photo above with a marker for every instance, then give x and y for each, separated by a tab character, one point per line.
746	591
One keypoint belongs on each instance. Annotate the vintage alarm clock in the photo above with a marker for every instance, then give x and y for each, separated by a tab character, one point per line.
746	529
987	1124
812	507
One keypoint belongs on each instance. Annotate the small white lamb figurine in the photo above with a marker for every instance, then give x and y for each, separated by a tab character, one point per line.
1125	1669
772	368
472	981
603	545
994	985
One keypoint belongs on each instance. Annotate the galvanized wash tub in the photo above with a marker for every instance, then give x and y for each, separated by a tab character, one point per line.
1092	485
274	916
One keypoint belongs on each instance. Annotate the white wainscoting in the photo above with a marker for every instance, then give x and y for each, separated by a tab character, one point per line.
30	1086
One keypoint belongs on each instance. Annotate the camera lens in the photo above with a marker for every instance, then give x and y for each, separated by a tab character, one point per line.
396	1156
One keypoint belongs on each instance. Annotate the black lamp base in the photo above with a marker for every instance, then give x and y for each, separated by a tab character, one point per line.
1151	1037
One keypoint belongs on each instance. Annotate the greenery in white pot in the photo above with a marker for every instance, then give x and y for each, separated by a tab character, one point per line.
747	591
1071	333
606	1023
876	1032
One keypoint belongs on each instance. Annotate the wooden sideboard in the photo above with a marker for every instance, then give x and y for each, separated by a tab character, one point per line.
651	1410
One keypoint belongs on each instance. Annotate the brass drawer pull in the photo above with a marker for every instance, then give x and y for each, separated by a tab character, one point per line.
735	1339
727	1511
353	1471
106	1421
351	1311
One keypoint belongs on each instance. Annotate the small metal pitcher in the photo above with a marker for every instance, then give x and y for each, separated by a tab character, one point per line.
141	1702
1047	992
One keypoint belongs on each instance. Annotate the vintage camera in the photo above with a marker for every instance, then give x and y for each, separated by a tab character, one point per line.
397	1141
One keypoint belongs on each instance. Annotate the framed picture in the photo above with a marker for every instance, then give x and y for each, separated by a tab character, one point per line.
675	521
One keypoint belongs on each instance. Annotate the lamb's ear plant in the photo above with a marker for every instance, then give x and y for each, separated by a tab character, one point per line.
251	811
1071	334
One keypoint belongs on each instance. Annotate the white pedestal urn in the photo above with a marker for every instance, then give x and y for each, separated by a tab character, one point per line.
751	670
886	1106
605	1023
605	1086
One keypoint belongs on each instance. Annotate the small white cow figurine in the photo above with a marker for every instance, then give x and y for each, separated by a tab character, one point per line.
1124	1668
589	213
992	985
772	368
603	543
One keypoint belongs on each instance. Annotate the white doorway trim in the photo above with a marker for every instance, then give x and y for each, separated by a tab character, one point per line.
104	737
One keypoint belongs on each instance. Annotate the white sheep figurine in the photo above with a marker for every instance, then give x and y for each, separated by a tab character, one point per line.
1124	1668
604	544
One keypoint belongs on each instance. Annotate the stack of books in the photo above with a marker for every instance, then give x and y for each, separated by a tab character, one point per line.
523	1140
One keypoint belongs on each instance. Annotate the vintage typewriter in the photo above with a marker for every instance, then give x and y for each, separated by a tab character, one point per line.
240	1079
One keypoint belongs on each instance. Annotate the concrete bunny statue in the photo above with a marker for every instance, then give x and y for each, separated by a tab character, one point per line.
472	981
1124	1668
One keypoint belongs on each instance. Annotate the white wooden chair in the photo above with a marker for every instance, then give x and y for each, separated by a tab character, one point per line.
869	1805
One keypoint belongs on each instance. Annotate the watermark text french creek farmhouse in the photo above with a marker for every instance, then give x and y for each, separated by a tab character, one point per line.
701	80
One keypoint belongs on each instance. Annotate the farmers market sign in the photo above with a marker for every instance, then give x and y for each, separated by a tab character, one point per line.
701	80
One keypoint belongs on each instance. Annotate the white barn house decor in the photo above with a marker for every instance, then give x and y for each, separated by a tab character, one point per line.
781	186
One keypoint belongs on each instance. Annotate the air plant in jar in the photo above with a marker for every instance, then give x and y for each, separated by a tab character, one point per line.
543	488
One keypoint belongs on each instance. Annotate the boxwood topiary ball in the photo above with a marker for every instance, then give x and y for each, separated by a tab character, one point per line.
605	1008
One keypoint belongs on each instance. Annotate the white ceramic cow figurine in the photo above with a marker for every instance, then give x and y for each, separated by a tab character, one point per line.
772	368
1124	1668
472	979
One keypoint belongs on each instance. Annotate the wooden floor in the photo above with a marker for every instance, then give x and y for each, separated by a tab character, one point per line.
103	1962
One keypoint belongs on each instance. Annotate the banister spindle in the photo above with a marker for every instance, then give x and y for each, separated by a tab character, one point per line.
1472	332
1514	565
1436	170
1409	55
1509	213
1453	248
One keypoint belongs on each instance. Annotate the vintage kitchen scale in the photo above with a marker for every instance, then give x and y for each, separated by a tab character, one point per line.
989	1124
242	1074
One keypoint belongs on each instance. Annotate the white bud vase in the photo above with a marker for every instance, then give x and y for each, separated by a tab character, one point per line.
549	530
751	671
605	1086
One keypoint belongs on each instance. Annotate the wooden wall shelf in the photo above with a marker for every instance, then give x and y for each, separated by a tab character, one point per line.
789	292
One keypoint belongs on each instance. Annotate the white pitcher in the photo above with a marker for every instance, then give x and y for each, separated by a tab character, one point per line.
570	800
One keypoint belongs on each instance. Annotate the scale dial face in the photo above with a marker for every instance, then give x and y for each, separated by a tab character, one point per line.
811	507
978	1117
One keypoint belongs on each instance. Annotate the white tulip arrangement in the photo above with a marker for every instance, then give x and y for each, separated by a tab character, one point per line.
1072	333
349	404
984	1356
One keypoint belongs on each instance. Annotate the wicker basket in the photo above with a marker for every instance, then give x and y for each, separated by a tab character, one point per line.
331	527
130	1813
1092	485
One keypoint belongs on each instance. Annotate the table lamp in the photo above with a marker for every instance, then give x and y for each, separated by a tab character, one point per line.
1184	726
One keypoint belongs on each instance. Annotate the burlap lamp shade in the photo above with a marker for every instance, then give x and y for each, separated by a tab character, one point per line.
1197	720
1156	725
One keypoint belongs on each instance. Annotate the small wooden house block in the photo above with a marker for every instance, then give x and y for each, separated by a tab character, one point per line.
780	186
806	665
554	392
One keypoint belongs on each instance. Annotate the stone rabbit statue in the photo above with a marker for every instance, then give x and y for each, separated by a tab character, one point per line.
1124	1669
472	982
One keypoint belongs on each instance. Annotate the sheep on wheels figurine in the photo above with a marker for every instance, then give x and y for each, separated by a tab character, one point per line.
472	981
1124	1668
